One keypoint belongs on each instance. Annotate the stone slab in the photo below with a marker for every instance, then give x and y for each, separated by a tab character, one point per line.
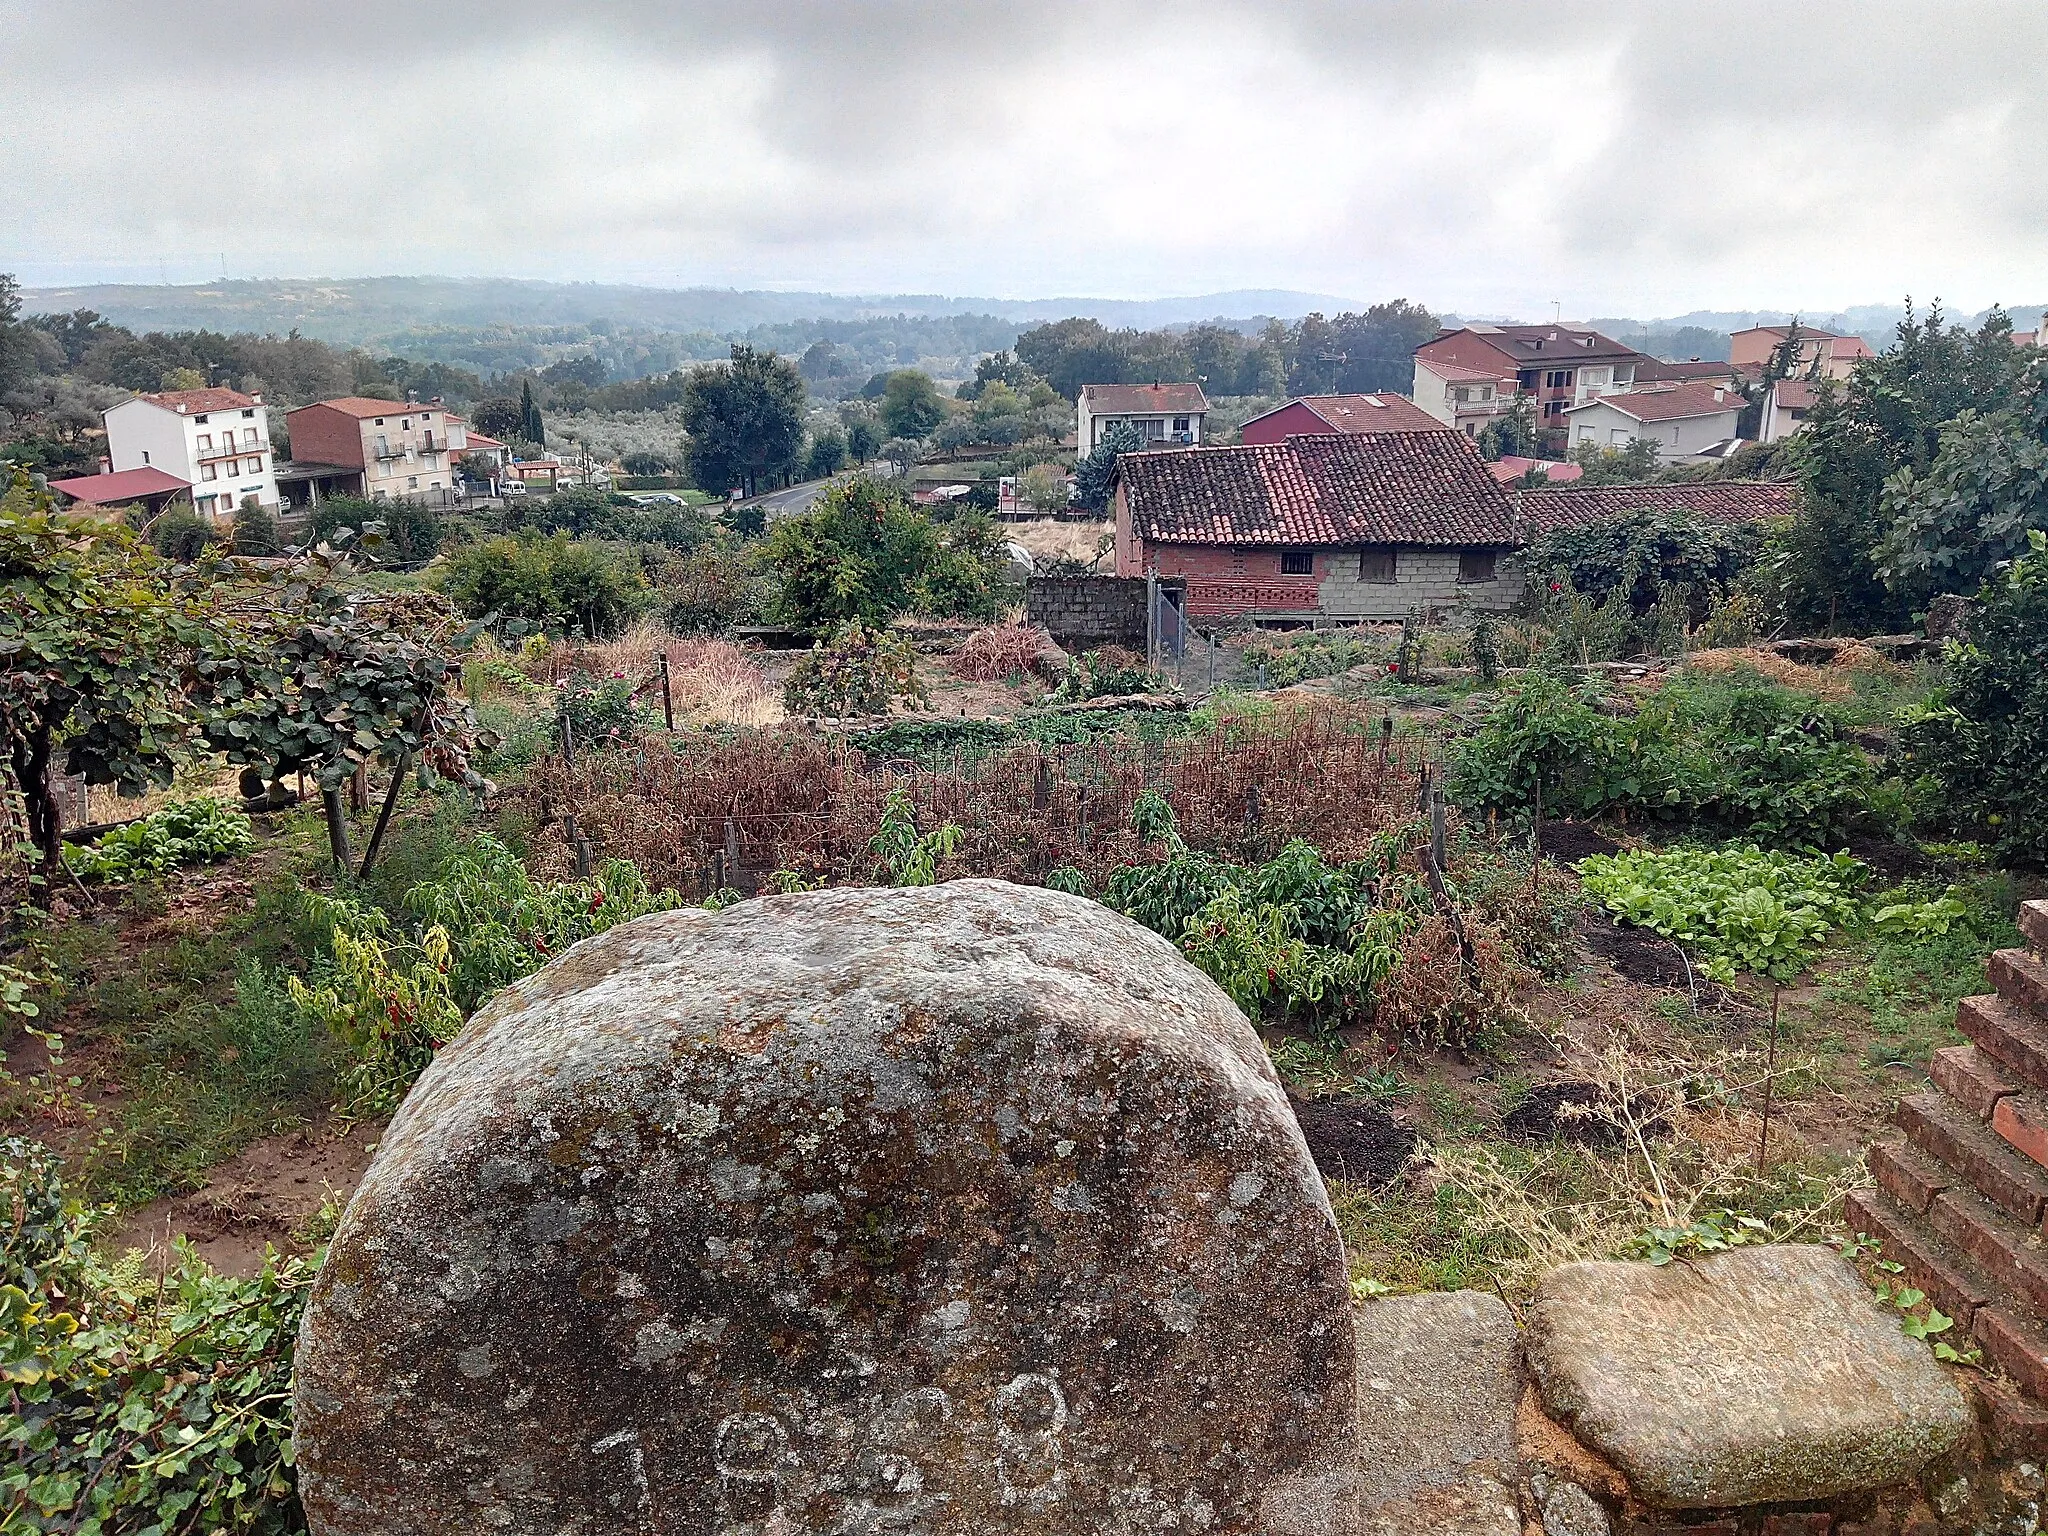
1439	1378
954	1211
1762	1375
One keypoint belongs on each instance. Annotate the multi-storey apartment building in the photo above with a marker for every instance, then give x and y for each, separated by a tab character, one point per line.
1466	376
216	440
402	449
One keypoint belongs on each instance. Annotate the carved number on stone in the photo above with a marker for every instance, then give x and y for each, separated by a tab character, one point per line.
750	1451
1031	1419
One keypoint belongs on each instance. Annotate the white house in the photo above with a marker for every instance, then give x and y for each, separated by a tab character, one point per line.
1165	415
1682	420
218	440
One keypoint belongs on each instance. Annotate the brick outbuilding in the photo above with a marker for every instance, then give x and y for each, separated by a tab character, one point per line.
1329	528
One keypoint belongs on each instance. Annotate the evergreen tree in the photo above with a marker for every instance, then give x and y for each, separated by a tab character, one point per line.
745	421
531	427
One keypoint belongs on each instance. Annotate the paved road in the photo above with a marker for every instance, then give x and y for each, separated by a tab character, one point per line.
792	502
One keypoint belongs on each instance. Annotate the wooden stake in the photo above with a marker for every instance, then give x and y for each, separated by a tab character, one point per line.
384	815
1763	1142
337	827
668	705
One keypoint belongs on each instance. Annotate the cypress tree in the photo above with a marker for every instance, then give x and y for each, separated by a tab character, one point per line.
530	425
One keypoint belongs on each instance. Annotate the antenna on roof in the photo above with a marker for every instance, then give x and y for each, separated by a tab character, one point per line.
1556	310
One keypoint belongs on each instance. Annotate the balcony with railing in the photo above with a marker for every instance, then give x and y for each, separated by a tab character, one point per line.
231	451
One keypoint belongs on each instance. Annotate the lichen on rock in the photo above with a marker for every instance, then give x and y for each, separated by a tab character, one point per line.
964	1209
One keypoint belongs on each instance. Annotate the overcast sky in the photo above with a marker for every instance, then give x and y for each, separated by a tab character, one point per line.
1641	157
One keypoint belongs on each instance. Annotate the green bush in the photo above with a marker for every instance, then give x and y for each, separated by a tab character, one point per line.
139	1404
256	531
410	531
1738	751
862	671
554	583
1984	737
1738	909
183	832
714	588
1641	554
866	553
602	711
181	534
1096	675
588	514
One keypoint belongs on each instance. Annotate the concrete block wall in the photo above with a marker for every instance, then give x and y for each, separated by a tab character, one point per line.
1084	611
1423	579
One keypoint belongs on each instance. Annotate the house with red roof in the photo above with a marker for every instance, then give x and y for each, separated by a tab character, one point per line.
1818	353
1466	377
1334	527
1785	409
217	441
1316	414
1164	415
1681	419
1546	508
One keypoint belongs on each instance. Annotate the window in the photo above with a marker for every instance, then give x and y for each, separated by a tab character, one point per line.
1553	407
1297	562
412	482
250	414
1471	429
1585	433
1376	564
1618	436
208	472
380	421
200	420
1527	378
248	437
206	442
1180	423
1560	378
1475	565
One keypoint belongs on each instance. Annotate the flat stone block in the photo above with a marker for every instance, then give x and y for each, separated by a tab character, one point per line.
1763	1375
1439	1378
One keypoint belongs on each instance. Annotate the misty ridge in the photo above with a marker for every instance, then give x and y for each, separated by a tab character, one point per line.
501	325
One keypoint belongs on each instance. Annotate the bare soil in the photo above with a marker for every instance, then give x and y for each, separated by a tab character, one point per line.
269	1194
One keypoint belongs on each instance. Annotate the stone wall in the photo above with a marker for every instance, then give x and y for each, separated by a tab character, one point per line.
1081	612
1424	579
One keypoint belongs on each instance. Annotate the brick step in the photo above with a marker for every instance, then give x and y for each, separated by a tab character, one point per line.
1973	1158
1947	1275
2015	1039
1909	1175
2014	1342
1971	1076
2034	925
2021	1121
2021	980
2010	1254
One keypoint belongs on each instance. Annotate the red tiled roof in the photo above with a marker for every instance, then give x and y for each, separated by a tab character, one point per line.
122	485
1455	372
477	439
1427	488
1794	394
1675	404
1512	466
1849	346
1373	413
1142	399
1542	346
196	402
362	408
1729	501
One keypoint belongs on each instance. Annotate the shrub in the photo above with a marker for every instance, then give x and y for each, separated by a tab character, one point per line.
1737	750
1984	738
1109	673
183	832
588	514
1000	652
1296	658
181	534
136	1404
602	712
714	588
861	672
553	582
866	553
256	530
1640	553
410	531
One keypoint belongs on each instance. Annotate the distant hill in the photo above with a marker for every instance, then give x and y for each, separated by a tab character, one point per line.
372	310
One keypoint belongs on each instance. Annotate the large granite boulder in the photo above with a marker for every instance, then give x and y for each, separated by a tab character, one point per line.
1439	1379
964	1209
1749	1377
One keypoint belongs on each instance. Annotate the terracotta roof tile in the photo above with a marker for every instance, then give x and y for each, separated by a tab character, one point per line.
1373	413
1733	501
122	485
1674	404
1140	399
363	408
195	402
1428	488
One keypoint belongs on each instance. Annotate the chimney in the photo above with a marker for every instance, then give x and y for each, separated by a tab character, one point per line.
1718	393
257	398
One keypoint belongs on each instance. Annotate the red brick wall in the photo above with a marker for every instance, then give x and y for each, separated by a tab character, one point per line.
322	435
1293	418
1223	579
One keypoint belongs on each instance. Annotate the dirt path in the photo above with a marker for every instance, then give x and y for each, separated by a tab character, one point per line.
269	1193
